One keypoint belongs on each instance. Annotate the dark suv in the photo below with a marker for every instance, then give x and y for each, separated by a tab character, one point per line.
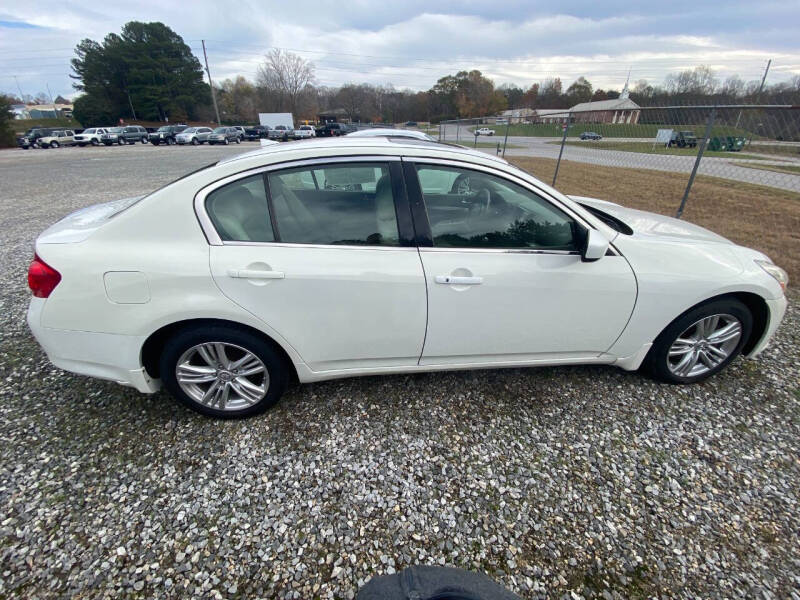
256	132
332	130
134	133
31	137
165	135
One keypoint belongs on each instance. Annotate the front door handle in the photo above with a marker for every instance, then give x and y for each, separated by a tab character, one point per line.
457	280
255	274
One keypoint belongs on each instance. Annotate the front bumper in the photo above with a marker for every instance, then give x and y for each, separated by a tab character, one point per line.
102	355
777	310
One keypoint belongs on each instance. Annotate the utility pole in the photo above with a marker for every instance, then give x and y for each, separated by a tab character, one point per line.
53	102
764	78
211	83
19	89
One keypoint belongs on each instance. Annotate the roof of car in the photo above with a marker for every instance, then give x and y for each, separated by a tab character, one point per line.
353	144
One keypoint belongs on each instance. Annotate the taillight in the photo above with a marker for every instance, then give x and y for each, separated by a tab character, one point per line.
42	278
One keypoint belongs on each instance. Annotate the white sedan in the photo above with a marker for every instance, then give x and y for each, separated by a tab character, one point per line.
484	131
349	256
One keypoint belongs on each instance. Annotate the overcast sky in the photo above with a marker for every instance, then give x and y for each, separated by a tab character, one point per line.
412	43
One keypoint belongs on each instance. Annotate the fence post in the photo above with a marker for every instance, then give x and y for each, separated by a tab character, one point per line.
505	141
561	150
458	128
440	131
700	151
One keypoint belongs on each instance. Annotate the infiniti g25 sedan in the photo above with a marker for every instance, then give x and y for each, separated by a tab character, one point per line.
358	256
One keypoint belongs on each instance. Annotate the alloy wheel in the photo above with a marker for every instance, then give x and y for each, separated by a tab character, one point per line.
704	345
222	376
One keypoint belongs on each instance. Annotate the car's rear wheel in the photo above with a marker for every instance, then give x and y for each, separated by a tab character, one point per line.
701	342
223	371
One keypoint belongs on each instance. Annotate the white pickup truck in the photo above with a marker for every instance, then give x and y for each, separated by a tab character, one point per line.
484	131
304	131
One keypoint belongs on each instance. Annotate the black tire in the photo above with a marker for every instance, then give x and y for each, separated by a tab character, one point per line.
194	141
54	144
268	354
144	140
656	362
238	140
95	143
227	141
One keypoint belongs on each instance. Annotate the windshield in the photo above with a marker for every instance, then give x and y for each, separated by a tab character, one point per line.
306	127
165	128
115	130
220	130
190	130
89	130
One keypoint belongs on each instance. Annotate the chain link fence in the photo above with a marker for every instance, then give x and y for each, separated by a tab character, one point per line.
733	169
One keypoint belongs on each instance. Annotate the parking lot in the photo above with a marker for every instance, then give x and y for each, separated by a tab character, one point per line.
588	480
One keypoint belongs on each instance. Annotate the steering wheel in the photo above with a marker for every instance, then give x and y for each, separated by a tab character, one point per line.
461	185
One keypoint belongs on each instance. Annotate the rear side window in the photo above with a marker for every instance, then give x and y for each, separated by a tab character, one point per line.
336	204
240	212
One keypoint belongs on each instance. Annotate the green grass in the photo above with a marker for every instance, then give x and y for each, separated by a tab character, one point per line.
617	130
650	148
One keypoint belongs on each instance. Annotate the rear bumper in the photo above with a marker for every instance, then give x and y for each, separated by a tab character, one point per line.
102	355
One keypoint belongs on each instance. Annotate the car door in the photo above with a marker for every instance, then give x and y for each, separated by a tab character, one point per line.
322	253
505	279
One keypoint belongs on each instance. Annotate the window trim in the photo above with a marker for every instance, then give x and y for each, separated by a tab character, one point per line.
420	214
213	238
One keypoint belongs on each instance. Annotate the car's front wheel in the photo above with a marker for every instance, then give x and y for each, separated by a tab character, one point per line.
701	342
223	371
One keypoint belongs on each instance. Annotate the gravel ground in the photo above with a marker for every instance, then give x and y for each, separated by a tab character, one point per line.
559	483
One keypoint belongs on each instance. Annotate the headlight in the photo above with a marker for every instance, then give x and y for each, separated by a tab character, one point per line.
775	271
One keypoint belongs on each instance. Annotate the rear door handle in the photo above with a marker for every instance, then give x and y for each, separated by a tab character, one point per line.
455	280
254	274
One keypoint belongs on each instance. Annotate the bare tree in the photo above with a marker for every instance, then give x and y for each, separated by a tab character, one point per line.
286	74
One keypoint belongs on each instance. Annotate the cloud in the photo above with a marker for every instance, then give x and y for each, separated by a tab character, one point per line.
413	43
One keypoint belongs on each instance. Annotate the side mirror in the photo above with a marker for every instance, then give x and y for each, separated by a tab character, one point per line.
595	246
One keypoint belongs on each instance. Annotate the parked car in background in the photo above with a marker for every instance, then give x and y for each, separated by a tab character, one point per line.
240	129
304	132
224	135
281	133
411	123
90	136
113	135
134	133
590	135
165	135
484	131
63	137
256	132
194	135
335	129
683	139
31	137
277	245
389	132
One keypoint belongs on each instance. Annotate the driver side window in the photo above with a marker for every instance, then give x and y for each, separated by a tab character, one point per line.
472	209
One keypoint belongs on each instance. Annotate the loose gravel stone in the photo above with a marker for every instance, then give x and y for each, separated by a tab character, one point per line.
582	482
